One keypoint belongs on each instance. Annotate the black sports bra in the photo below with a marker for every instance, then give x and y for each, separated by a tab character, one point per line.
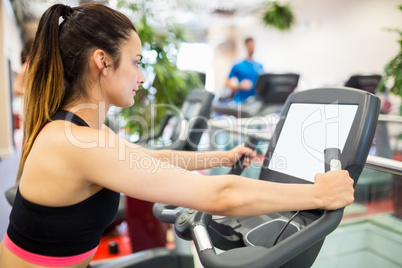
62	231
70	117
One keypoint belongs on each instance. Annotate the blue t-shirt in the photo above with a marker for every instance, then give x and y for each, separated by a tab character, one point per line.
246	70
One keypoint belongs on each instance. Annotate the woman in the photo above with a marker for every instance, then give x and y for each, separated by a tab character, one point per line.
73	168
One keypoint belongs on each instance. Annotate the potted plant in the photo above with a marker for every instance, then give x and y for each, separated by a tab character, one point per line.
278	16
393	70
165	84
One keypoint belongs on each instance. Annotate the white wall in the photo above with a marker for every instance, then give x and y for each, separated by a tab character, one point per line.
11	38
10	47
332	40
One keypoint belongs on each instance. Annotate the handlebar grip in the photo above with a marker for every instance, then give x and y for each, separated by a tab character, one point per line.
251	142
201	237
332	159
166	213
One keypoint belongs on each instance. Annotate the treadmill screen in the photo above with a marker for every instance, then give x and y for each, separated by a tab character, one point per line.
191	109
308	130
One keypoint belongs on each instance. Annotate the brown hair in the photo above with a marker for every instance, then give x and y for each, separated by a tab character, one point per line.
58	60
248	39
25	50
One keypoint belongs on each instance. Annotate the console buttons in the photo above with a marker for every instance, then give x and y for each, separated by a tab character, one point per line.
190	211
182	219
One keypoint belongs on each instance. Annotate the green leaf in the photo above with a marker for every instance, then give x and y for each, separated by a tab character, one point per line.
393	69
171	84
278	16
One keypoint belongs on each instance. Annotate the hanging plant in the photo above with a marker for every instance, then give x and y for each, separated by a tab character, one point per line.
278	16
393	70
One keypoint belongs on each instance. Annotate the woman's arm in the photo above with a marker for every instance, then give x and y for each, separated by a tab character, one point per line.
203	160
191	160
135	173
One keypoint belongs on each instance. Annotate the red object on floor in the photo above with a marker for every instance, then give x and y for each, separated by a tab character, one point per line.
119	235
123	244
144	229
375	207
382	206
397	156
17	121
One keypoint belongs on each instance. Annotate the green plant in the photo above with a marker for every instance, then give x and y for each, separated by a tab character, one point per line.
166	84
278	16
393	69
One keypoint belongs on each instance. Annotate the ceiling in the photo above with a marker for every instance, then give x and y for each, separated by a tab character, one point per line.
28	12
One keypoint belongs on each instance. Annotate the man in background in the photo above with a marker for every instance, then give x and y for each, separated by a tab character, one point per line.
244	74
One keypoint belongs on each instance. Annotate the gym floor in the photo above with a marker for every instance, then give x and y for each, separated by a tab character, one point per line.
8	172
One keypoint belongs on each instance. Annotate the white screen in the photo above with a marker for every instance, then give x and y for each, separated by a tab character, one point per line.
308	130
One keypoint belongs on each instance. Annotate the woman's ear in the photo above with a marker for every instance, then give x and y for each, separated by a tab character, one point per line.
100	61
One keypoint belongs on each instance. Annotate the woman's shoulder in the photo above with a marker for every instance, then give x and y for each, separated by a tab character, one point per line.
62	142
79	141
65	133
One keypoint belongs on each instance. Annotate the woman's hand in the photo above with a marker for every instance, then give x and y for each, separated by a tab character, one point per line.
236	153
335	189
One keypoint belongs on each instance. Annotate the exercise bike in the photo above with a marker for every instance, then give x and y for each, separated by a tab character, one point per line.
336	127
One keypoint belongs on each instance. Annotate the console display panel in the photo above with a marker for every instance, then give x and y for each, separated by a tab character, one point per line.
308	129
191	109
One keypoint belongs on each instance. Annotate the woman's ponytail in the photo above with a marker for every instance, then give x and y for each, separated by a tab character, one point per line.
44	86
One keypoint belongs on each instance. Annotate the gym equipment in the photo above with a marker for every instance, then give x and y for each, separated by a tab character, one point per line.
189	123
370	190
188	126
179	257
313	124
367	82
10	194
272	90
145	231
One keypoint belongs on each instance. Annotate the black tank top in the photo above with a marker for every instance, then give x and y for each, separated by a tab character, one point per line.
62	231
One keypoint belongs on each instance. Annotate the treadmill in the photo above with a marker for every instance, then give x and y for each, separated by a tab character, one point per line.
319	129
366	82
272	90
189	123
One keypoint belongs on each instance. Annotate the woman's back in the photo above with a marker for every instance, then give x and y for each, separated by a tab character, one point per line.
56	212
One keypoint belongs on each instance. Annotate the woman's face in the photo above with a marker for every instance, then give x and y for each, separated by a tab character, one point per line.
122	83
